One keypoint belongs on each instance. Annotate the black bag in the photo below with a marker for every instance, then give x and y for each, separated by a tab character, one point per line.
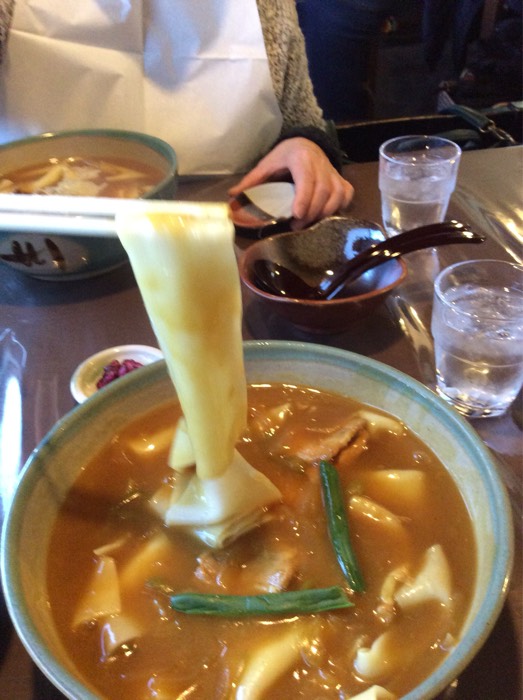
471	129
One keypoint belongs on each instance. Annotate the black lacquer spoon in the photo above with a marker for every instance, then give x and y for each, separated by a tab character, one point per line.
277	279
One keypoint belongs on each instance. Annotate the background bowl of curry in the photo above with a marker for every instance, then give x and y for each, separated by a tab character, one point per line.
90	162
54	466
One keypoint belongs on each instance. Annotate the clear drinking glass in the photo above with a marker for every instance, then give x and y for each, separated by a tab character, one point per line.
417	175
477	326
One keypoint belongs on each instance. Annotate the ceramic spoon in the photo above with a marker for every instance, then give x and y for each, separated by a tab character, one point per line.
278	279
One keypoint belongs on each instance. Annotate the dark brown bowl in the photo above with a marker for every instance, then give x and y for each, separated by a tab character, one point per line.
311	252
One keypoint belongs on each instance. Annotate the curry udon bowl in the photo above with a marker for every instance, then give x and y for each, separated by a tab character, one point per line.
53	467
91	162
309	253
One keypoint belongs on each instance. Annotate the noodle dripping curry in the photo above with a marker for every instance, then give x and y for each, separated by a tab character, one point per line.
269	540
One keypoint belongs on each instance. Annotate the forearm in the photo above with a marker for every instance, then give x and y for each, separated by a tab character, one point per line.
285	47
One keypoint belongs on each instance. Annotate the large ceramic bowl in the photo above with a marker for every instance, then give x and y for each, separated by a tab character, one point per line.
309	253
63	257
54	466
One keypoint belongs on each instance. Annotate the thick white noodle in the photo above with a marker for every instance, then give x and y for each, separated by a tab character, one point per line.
183	259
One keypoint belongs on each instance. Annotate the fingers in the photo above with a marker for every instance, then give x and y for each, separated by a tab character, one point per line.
325	204
319	194
320	190
271	167
310	200
254	177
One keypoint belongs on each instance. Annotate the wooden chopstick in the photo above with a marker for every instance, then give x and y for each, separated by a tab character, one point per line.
81	216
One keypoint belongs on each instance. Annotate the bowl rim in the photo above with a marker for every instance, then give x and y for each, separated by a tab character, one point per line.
274	350
248	255
153	142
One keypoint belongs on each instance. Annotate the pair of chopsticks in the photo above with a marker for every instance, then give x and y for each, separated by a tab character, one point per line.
59	214
84	216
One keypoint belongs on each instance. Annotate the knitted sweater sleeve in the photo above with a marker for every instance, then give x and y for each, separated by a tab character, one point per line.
285	48
6	14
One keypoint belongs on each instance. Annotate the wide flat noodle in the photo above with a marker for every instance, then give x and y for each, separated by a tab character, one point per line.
219	498
182	255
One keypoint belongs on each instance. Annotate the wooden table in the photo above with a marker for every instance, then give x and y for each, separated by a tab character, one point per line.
50	327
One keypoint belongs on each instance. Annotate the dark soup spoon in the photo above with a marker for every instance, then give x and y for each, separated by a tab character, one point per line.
274	278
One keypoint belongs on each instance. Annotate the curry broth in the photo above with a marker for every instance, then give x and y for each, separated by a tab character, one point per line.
113	176
109	501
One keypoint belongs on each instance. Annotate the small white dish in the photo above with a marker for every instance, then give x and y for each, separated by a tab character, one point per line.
263	207
274	198
90	371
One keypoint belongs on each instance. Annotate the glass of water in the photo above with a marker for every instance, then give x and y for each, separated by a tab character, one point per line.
417	175
477	326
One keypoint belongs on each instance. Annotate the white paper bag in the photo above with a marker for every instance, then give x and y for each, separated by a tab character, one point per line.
193	72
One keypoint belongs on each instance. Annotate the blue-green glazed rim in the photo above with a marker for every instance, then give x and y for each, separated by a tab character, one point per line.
288	354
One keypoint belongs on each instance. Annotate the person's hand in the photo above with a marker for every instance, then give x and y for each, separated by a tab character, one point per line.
320	189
